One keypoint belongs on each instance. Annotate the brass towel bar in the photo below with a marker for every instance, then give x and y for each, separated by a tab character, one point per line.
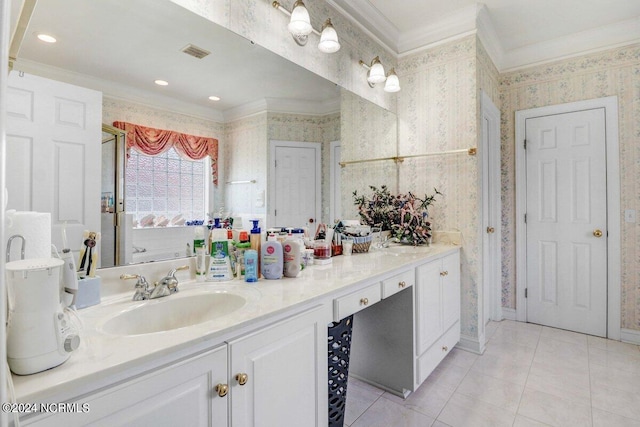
399	159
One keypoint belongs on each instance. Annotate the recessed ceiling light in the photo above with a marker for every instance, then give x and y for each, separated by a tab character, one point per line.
214	98
46	38
161	82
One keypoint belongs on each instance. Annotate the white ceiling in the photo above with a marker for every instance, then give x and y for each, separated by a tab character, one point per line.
118	47
518	32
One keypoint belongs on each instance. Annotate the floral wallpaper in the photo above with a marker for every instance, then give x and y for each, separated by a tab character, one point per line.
258	21
368	131
437	112
611	72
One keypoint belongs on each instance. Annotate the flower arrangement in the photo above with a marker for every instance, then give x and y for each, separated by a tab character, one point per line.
404	215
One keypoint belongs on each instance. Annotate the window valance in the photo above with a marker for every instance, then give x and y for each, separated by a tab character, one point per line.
152	141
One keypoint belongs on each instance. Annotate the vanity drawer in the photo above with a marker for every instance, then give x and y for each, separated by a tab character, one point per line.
356	301
431	358
398	282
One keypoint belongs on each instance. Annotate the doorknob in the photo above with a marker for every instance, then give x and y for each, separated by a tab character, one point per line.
491	230
311	220
597	233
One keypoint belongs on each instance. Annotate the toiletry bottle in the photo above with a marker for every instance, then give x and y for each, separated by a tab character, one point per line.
219	262
251	265
271	258
201	263
241	247
291	249
256	238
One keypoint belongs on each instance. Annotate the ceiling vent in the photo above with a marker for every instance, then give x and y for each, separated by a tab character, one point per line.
195	51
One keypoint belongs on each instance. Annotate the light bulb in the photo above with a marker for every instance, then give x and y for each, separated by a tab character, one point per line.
329	38
376	73
300	24
393	83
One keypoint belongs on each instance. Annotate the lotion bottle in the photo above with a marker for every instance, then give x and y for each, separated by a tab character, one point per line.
271	258
292	256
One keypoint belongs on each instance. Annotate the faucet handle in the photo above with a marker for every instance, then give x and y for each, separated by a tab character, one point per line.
129	276
141	283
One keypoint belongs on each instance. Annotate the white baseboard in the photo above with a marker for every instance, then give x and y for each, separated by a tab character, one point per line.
509	313
472	344
630	335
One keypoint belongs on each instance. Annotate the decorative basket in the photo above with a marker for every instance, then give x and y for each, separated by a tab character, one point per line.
362	244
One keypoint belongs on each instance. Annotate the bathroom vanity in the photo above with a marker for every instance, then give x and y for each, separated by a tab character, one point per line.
243	355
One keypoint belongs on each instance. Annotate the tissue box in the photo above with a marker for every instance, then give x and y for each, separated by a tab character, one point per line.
88	292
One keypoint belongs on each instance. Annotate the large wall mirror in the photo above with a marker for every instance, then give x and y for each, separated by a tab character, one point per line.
120	48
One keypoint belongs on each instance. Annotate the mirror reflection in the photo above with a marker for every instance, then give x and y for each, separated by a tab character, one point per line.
269	109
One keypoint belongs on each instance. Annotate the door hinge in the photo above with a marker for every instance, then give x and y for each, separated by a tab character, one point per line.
525	218
526	292
525	144
275	212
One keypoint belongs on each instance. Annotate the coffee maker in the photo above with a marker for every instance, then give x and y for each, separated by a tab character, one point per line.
40	334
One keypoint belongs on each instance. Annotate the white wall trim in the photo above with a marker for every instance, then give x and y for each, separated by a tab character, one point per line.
472	344
509	313
333	175
489	153
630	335
610	104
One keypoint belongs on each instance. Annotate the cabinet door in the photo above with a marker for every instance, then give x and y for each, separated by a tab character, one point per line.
450	290
428	306
178	395
286	374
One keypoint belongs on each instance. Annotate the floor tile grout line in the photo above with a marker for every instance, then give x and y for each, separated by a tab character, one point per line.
527	380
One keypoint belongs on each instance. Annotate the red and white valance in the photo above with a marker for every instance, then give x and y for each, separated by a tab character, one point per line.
152	141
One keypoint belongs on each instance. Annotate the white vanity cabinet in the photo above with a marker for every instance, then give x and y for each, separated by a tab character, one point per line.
279	374
181	394
398	342
275	376
437	305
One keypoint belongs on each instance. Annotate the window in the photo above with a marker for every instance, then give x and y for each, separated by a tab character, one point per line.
167	185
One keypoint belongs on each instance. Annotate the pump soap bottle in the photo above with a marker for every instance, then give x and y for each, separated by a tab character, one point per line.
255	239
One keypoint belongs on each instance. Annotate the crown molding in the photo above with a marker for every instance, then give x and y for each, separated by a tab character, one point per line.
489	38
118	91
283	106
598	39
370	21
460	22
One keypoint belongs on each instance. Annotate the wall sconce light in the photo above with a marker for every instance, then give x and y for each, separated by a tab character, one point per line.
300	28
376	74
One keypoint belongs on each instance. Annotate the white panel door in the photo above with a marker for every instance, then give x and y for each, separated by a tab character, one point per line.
297	184
53	153
566	221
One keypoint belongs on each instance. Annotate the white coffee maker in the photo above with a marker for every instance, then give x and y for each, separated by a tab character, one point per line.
40	334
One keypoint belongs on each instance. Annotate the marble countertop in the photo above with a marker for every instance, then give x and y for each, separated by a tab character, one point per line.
102	355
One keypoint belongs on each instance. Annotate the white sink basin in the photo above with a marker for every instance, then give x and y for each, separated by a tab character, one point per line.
177	311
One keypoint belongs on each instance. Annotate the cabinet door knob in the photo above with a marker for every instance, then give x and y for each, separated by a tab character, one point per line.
445	348
242	378
402	284
490	230
443	273
364	301
222	389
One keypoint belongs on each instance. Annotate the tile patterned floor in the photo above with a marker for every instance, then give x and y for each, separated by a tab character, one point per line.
529	376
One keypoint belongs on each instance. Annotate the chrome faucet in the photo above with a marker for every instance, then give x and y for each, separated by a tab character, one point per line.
167	285
143	290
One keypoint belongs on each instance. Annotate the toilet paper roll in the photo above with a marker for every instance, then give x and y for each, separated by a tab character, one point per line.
35	227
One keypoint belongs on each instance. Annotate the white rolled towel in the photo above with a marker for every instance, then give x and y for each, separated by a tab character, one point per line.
35	227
